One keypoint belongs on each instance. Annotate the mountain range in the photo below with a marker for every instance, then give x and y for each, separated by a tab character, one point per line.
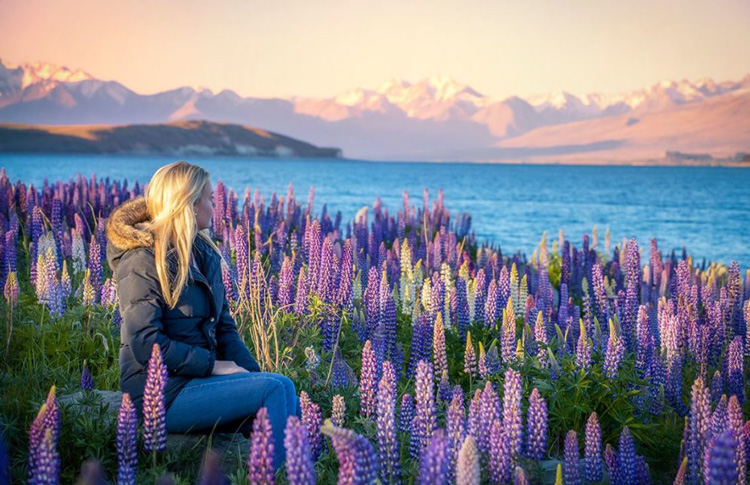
436	118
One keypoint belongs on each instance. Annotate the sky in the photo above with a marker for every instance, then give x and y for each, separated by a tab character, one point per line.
321	48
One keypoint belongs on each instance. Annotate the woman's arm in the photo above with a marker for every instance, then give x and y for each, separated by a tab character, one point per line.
141	304
230	345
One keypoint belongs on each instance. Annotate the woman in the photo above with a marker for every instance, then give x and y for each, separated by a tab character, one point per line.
171	293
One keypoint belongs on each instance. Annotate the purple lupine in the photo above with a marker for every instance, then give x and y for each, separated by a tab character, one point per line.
722	460
470	357
455	424
312	417
52	417
593	449
735	423
444	387
571	470
301	300
154	405
643	476
36	434
338	411
406	414
95	266
489	411
358	462
615	352
499	453
490	306
300	467
87	382
439	356
127	442
633	285
467	466
388	452
717	387
260	459
611	460
425	417
367	382
626	459
698	423
47	469
643	340
434	463
286	286
474	418
536	426
735	381
513	413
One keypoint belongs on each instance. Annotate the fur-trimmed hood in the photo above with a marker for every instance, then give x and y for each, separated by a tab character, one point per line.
125	227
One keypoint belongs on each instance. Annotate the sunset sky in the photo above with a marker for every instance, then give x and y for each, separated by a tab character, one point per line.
323	47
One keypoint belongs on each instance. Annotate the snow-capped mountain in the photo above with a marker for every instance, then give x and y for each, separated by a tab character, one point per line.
397	119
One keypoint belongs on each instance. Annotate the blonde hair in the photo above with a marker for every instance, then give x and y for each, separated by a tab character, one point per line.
170	195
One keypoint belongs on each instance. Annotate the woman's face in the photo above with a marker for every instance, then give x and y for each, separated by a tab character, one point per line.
204	207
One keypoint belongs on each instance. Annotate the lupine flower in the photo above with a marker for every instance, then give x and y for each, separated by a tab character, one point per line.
47	469
52	418
626	462
127	442
312	417
717	387
440	358
572	456
467	468
583	348
520	477
540	335
643	476
260	460
357	459
722	460
425	417
536	421
735	379
455	420
489	411
434	464
301	300
507	352
367	381
593	449
615	351
611	460
470	357
681	472
154	407
700	413
735	423
36	434
513	413
300	467
87	382
388	453
499	453
10	291
406	414
338	411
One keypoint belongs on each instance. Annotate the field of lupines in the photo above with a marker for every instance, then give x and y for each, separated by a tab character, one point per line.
421	354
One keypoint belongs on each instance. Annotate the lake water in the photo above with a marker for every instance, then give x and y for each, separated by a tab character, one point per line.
706	209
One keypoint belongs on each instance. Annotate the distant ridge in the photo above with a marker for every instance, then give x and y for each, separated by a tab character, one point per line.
437	118
180	138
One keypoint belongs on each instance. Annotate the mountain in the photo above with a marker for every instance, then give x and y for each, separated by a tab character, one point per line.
436	118
181	138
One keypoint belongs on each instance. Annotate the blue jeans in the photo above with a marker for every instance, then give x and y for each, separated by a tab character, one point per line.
206	402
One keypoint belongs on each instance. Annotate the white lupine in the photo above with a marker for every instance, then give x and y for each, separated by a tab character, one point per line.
78	250
514	286
407	283
445	274
46	242
426	295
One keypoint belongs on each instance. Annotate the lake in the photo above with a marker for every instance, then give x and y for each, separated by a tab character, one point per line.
705	209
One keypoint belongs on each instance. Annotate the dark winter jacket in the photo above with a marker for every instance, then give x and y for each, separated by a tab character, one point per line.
193	335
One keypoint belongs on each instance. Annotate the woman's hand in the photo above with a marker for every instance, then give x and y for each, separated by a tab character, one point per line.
226	367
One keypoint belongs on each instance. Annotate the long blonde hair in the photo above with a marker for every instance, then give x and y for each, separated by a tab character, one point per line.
170	195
